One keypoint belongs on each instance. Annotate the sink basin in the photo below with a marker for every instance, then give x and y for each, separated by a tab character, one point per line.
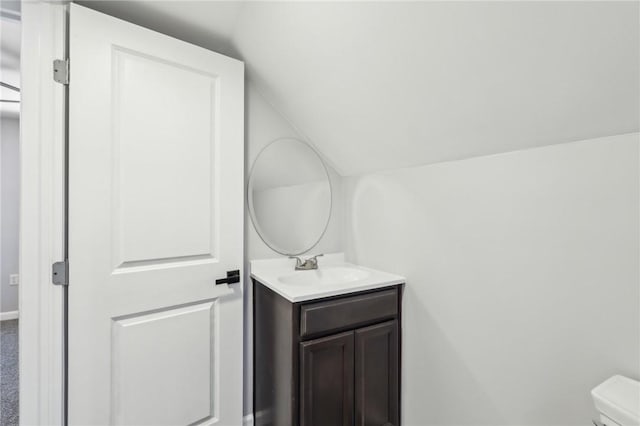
333	277
325	275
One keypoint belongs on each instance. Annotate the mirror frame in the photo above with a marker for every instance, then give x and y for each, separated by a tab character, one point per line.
252	214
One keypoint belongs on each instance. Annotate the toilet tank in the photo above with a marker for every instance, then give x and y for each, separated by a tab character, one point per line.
618	401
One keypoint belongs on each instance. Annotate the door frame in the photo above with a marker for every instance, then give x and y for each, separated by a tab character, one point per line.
42	214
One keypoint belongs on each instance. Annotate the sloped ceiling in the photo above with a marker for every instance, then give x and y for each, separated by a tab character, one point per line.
382	85
378	85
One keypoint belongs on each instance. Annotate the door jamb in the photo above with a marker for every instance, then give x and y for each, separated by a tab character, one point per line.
42	215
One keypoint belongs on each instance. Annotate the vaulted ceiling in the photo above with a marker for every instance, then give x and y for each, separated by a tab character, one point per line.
381	85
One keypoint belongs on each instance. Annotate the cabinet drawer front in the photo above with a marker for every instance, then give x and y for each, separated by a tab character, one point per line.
347	312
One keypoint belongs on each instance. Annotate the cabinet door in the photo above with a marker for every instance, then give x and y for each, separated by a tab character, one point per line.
377	397
326	381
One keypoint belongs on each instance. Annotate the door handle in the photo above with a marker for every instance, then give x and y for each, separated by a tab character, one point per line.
232	278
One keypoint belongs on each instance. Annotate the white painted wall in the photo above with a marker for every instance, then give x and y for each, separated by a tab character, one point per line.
10	208
523	278
262	125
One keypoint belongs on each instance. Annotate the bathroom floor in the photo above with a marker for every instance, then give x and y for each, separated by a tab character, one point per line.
9	381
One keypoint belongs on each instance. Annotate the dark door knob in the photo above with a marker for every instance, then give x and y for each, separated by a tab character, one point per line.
232	278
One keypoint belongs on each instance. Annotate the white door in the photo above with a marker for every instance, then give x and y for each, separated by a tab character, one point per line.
155	217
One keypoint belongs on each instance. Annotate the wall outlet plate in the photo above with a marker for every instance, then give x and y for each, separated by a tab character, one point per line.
14	279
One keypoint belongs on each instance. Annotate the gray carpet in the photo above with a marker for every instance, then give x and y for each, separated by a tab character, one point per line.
9	373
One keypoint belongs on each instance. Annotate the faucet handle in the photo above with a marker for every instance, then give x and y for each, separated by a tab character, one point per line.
298	260
314	259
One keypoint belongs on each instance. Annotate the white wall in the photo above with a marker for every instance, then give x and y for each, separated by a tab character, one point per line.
262	125
9	203
523	278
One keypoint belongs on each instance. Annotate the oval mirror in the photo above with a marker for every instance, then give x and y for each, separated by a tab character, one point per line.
289	195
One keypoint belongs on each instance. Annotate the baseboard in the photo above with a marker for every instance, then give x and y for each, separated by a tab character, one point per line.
247	420
8	315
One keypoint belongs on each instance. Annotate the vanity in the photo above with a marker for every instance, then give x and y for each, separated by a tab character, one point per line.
326	344
326	333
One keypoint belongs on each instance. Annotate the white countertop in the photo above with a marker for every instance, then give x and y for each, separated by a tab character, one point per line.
297	286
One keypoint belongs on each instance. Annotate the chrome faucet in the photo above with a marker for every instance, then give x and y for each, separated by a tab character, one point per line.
307	264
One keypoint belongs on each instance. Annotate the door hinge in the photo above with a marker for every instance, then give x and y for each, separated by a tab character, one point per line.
60	273
61	71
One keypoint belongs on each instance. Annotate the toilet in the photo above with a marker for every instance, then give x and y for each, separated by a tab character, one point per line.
617	400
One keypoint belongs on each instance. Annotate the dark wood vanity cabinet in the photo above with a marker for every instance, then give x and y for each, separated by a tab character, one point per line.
327	362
